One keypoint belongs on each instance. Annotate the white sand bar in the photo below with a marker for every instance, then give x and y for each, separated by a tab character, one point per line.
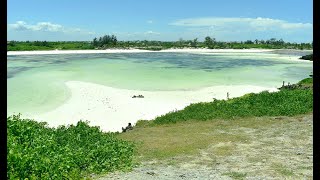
112	108
185	50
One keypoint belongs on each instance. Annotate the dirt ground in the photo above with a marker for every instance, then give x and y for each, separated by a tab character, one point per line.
258	148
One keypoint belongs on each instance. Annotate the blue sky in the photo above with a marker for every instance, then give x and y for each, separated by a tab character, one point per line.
166	20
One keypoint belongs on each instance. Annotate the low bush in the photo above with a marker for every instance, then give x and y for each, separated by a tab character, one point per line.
36	151
281	103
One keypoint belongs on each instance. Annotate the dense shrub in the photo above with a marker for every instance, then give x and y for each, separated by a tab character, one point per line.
282	103
306	81
110	41
36	151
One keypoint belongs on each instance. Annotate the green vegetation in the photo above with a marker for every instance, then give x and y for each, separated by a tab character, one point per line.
209	42
110	41
246	143
282	103
282	170
45	45
306	82
308	57
74	152
105	41
236	175
182	138
303	84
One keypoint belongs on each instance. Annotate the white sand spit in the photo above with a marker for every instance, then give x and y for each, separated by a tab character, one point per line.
75	51
185	50
112	108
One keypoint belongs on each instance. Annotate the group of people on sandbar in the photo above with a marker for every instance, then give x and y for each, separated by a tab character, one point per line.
139	96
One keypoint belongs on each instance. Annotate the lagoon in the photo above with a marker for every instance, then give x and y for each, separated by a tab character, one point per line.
37	83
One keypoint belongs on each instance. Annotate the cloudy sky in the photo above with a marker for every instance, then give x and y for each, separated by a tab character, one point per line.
166	20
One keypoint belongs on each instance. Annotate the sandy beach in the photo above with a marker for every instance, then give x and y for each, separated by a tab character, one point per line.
112	108
185	50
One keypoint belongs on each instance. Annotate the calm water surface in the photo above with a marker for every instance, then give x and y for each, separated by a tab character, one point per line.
36	82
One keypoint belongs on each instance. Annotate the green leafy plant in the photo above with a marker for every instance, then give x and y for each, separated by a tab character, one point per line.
36	151
281	103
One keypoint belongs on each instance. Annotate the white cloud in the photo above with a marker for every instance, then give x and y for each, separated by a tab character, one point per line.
149	21
45	27
19	26
152	33
257	24
235	29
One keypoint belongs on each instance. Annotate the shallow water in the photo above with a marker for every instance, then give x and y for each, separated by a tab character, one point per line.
36	82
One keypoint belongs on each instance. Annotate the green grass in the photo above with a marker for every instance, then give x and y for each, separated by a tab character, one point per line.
306	82
163	141
236	175
281	103
74	152
32	46
284	171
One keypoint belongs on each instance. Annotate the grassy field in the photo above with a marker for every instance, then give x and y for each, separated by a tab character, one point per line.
258	147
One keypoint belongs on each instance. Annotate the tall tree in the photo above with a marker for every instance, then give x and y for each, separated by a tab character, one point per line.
194	42
209	42
95	42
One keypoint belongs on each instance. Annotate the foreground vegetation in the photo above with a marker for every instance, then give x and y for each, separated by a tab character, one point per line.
282	103
307	82
110	41
256	147
38	152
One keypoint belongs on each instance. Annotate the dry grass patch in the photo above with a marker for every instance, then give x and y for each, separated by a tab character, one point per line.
190	137
247	148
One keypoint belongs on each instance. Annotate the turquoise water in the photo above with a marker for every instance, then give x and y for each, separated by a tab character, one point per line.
36	82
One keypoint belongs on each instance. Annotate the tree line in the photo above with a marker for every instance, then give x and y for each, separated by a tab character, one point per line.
111	41
105	41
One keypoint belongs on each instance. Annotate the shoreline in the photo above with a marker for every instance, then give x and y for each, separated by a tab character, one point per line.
172	50
185	50
113	108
